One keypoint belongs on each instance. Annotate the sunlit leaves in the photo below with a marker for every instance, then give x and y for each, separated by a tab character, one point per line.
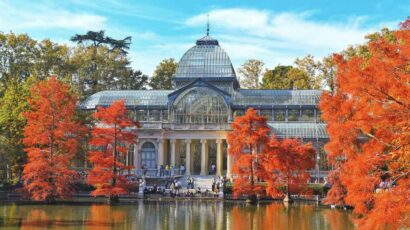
51	137
368	119
111	137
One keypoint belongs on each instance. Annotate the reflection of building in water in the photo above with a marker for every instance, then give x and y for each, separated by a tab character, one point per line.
183	214
195	214
174	215
189	124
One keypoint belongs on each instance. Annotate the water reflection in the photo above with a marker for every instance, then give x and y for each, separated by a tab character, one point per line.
174	215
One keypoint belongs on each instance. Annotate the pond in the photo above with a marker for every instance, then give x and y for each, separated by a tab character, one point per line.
155	215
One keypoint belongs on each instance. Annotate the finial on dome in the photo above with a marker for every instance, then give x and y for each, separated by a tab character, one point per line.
207	25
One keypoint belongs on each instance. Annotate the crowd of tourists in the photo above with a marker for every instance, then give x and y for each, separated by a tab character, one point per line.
174	188
167	170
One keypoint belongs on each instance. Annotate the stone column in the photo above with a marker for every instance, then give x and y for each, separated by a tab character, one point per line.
188	157
172	142
160	152
219	157
204	158
137	163
228	163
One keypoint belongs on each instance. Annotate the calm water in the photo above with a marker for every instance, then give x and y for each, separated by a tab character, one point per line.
155	215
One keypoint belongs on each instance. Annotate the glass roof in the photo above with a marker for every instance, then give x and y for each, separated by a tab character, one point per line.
242	97
275	97
132	98
299	130
206	59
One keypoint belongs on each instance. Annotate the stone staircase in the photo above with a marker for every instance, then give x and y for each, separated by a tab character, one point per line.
203	182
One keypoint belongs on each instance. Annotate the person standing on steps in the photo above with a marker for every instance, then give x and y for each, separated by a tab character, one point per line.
167	170
182	169
213	168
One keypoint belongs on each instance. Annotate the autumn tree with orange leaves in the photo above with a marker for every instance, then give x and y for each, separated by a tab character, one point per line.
51	139
368	119
279	163
337	194
113	133
249	133
286	163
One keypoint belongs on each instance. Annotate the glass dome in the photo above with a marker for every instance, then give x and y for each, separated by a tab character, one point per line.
207	59
200	105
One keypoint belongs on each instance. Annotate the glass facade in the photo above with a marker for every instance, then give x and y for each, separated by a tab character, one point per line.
267	114
200	106
206	60
237	113
141	115
154	115
308	115
279	115
293	115
148	155
207	95
191	122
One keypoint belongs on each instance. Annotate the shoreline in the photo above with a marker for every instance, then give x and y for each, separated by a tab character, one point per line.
133	199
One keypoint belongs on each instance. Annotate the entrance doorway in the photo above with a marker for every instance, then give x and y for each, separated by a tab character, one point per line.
148	155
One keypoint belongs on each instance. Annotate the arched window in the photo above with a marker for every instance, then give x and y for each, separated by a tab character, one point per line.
148	155
200	105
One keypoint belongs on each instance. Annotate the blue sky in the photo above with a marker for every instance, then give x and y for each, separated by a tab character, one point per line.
274	31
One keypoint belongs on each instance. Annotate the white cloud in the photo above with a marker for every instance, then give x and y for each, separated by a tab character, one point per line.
146	60
62	20
296	28
14	17
279	38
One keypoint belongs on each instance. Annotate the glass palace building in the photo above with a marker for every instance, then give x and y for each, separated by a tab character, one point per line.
189	124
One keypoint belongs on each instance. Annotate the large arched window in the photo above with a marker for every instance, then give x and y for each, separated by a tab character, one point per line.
148	155
200	105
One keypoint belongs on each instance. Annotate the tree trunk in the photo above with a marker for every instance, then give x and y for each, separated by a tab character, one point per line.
113	199
50	200
288	198
114	170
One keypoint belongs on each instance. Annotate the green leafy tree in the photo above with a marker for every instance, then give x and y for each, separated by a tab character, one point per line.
134	80
5	158
311	67
13	105
18	53
249	74
100	62
162	77
22	57
111	69
98	38
52	59
273	79
286	77
327	73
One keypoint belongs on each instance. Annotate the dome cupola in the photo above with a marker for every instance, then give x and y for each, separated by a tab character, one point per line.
205	60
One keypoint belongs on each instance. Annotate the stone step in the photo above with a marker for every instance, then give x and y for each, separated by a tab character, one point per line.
203	182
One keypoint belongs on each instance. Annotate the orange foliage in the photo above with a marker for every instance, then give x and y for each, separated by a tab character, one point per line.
107	217
51	137
286	163
281	163
249	133
336	195
110	140
368	120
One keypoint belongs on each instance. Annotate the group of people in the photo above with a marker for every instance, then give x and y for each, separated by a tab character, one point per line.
166	170
218	183
154	190
190	183
175	186
385	184
170	170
